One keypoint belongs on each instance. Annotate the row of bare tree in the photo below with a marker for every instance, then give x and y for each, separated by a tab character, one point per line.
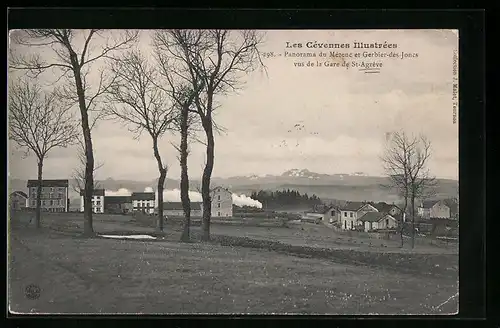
172	89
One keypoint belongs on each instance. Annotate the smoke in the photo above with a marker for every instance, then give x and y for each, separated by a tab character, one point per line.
174	195
120	192
243	200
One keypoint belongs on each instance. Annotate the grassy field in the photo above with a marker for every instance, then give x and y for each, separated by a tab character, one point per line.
260	270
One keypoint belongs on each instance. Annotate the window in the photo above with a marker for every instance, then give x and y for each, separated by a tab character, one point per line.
345	214
51	189
33	190
387	222
218	205
218	213
98	203
61	195
51	202
333	213
33	203
51	195
345	225
351	215
218	197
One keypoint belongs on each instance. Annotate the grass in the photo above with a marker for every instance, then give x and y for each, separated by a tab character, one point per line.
230	275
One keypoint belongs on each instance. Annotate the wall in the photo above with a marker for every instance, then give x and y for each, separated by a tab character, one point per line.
392	223
329	218
440	210
56	195
97	204
222	203
180	212
147	205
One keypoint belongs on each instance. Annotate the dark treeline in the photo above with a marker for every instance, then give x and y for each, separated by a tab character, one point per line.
285	198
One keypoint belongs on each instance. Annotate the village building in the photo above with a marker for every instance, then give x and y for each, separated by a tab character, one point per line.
222	202
175	209
331	215
351	212
18	200
97	201
433	209
143	202
54	196
117	204
378	221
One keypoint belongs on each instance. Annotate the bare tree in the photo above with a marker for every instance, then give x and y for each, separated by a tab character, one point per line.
72	53
79	172
221	59
183	94
38	123
404	162
137	102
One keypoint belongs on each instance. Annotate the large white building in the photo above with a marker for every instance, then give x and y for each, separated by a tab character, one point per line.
222	202
143	202
97	201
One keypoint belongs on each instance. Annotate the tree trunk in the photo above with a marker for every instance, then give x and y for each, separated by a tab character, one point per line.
412	221
38	215
186	203
403	215
161	183
205	181
88	227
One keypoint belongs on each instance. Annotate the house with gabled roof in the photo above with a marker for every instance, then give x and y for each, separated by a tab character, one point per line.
331	214
433	209
18	200
377	221
352	211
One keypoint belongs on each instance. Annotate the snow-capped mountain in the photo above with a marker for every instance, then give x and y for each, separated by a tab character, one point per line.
304	173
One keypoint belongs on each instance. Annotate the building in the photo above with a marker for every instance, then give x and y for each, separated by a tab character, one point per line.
433	209
331	215
97	201
222	202
351	212
143	202
118	204
18	200
452	203
175	209
390	209
377	221
54	195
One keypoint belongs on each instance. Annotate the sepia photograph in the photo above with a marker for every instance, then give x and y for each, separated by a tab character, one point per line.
264	172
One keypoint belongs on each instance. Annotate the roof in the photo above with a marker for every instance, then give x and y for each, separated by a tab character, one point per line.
143	196
373	217
20	193
117	199
97	192
429	203
178	206
49	183
353	206
220	187
383	207
329	208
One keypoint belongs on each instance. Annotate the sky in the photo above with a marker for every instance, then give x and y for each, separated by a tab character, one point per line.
324	119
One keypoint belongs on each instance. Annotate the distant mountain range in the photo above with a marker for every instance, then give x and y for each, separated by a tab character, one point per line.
355	187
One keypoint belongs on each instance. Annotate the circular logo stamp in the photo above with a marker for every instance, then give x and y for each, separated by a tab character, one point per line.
32	291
